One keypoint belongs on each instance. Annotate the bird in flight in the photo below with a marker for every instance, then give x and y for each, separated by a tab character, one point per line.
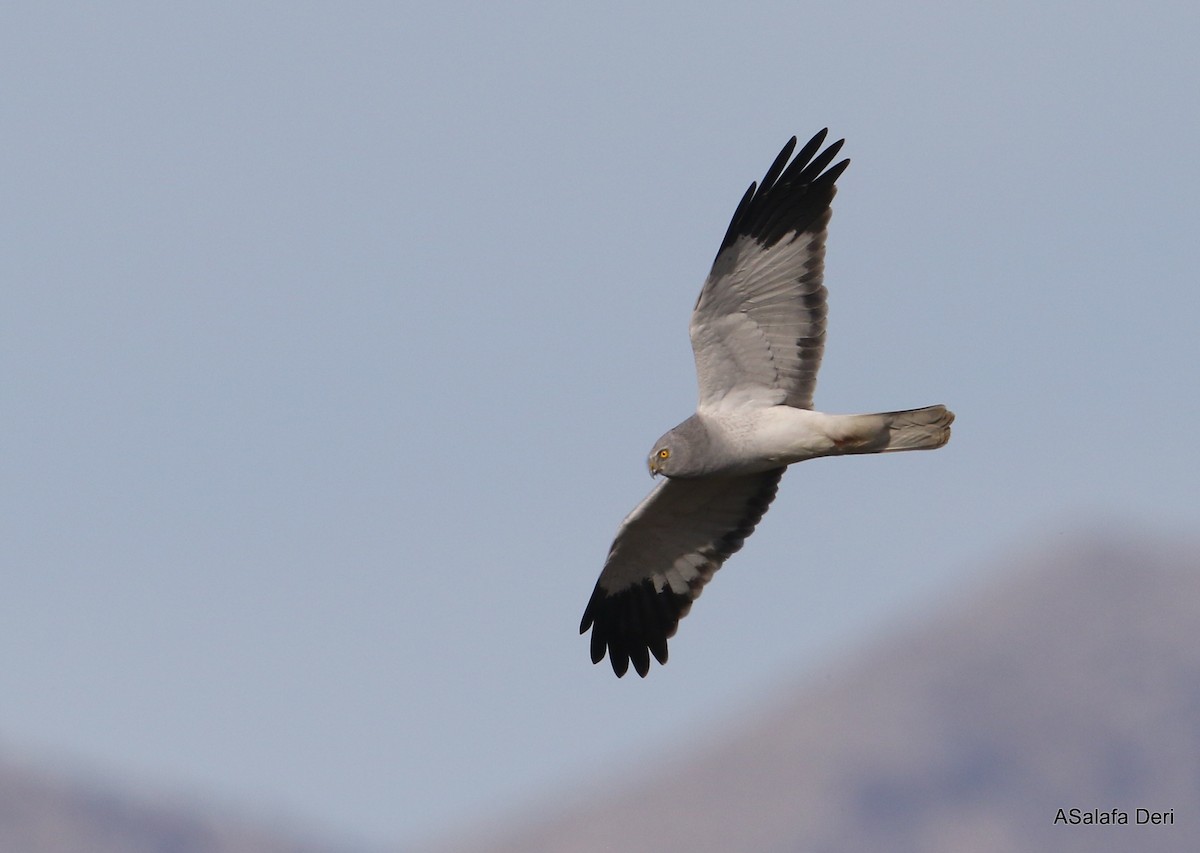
758	332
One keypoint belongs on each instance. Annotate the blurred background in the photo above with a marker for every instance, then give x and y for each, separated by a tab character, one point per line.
334	337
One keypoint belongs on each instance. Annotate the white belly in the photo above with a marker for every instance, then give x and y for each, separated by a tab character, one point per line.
777	435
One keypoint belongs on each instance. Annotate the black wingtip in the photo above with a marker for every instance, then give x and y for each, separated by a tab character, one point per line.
632	624
792	196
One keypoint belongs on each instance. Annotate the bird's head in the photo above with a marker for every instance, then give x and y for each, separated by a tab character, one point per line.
682	452
660	459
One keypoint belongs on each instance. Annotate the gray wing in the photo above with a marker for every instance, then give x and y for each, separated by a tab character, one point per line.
758	328
665	552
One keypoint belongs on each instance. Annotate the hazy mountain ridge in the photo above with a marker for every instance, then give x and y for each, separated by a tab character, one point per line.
52	813
1071	681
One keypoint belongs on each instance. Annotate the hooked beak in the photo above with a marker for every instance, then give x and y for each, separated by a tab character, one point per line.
653	463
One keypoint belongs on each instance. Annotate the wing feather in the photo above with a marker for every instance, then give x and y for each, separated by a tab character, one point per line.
666	550
758	328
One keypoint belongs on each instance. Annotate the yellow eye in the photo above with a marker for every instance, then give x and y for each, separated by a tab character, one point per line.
664	453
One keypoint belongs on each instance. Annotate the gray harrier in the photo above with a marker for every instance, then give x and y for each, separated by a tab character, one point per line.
758	331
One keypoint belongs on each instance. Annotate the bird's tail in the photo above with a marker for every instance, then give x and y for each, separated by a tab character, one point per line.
911	429
918	429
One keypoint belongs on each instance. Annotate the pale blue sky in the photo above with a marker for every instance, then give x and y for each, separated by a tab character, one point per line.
334	338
